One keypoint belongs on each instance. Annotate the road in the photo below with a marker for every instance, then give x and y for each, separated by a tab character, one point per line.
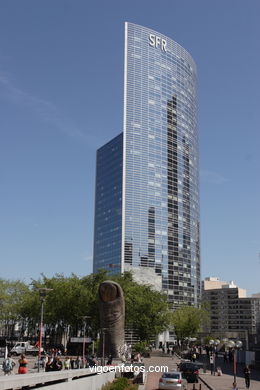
171	363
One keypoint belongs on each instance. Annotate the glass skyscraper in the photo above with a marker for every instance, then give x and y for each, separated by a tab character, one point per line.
147	186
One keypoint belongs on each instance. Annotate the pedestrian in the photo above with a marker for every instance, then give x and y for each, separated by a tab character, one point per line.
8	365
78	362
247	373
234	386
92	361
57	364
22	365
110	359
72	363
49	364
67	363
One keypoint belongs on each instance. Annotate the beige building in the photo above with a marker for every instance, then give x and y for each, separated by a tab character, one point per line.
232	313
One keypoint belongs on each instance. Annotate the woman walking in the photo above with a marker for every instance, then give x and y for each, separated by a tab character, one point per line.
22	365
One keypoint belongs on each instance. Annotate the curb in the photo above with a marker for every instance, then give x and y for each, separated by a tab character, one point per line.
206	384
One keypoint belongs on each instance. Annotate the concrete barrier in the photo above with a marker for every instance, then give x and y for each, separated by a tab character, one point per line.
82	379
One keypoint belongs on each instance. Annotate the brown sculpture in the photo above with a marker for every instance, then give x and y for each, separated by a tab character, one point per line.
112	318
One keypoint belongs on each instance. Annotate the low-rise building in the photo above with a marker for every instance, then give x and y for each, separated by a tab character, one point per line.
232	313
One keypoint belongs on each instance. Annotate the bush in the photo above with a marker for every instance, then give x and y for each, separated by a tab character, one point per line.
141	347
120	384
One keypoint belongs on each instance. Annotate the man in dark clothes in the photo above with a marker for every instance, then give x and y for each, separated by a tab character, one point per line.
247	373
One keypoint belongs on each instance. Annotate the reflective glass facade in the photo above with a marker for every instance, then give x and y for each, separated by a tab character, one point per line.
108	206
160	193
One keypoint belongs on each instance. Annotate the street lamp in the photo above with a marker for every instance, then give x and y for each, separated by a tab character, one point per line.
84	341
103	345
43	292
235	346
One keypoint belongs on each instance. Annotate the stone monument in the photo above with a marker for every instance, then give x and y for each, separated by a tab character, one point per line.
112	318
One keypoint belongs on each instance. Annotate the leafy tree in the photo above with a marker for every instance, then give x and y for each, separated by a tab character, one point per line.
187	321
64	306
12	294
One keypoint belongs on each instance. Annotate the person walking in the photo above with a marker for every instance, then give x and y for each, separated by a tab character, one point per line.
49	364
67	363
8	365
247	373
22	365
78	362
110	359
57	364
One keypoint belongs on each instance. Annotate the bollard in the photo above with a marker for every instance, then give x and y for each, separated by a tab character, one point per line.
193	386
200	387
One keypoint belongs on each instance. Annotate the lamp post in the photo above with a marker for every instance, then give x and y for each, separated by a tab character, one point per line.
42	291
84	341
235	345
103	345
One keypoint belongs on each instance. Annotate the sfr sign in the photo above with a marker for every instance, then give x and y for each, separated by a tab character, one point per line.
156	41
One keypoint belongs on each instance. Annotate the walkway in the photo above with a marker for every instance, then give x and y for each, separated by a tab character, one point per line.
223	382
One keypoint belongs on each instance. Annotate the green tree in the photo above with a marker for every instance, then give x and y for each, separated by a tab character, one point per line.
64	306
12	294
187	321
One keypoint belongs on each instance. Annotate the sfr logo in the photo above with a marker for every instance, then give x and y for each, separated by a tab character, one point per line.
156	41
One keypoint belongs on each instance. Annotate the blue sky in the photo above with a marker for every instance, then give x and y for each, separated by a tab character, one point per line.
61	97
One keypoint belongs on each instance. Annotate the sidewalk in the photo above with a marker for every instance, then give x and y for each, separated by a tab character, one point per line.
225	381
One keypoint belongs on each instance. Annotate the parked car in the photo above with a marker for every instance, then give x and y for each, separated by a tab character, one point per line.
173	380
24	347
190	371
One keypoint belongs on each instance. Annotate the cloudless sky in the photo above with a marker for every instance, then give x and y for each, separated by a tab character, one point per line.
61	97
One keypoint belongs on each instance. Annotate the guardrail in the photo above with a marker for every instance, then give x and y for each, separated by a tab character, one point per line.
59	380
